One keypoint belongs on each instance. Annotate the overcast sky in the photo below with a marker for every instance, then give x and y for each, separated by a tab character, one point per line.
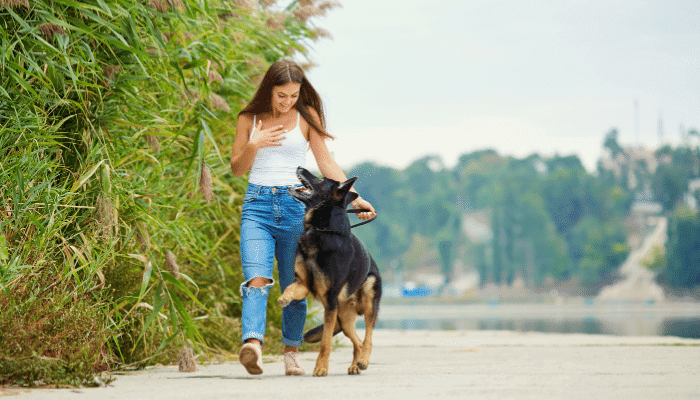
401	80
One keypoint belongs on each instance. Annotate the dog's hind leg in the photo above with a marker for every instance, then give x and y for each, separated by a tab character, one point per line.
329	321
363	359
370	308
348	316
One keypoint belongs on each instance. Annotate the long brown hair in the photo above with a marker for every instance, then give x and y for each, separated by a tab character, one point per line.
281	73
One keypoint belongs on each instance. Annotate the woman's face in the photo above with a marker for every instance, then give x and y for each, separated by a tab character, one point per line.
284	97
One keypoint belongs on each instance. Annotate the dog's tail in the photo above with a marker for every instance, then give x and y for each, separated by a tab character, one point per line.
314	335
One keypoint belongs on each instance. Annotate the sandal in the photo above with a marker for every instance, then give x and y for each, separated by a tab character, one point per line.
291	364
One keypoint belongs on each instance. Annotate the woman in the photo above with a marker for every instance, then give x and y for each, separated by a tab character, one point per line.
283	120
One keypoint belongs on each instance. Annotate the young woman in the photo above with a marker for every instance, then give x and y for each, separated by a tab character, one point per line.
282	121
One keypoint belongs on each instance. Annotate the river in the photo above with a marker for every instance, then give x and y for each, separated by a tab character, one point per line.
627	319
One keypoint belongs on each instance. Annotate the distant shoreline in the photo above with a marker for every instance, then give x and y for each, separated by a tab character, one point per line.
536	299
680	319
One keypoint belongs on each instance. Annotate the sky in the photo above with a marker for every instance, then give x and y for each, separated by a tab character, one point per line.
403	80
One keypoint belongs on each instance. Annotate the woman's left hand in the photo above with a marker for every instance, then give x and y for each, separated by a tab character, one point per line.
364	204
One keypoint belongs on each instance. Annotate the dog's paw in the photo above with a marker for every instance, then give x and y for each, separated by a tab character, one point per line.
354	370
320	371
284	301
362	365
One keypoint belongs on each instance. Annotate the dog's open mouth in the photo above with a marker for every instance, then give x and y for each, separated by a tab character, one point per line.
305	190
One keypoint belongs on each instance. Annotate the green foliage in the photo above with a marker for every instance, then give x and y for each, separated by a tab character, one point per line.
656	261
116	118
682	269
670	180
34	370
547	217
387	237
598	248
669	184
53	332
679	267
668	177
612	144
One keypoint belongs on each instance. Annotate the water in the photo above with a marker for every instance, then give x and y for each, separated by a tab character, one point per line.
662	319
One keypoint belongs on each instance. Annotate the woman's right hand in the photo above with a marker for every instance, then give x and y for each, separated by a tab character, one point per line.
272	136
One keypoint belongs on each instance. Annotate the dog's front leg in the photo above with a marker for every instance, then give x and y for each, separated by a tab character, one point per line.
329	320
295	291
298	289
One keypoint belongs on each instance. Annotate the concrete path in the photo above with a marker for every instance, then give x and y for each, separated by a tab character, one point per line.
442	365
638	282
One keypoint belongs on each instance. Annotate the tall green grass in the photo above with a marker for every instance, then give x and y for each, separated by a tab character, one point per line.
119	217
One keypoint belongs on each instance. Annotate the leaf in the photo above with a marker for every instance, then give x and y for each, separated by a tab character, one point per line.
146	277
197	151
18	79
139	257
105	7
190	328
4	252
155	311
106	180
194	64
167	341
86	176
56	126
188	279
171	279
207	130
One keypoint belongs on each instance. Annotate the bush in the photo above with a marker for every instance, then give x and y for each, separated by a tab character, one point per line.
51	333
116	118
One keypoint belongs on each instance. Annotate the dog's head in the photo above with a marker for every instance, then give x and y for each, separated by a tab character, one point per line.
323	192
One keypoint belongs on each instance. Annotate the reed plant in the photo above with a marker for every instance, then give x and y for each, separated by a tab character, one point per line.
119	217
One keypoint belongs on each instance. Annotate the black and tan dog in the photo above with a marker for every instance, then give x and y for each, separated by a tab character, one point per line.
335	267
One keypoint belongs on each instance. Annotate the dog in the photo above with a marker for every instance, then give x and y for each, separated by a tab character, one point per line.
334	266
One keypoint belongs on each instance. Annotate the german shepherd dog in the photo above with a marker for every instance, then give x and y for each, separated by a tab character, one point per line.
335	267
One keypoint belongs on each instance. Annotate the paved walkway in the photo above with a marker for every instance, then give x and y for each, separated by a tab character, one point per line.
638	283
442	365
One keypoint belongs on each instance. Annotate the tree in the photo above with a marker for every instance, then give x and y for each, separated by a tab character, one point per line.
611	143
668	184
563	193
683	250
598	248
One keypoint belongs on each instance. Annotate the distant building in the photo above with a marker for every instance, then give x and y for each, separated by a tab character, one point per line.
477	226
637	164
691	197
636	161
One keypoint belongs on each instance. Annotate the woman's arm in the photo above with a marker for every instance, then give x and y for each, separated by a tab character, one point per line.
330	169
245	149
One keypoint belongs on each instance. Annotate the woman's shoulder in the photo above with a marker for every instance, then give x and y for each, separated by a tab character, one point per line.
247	120
247	117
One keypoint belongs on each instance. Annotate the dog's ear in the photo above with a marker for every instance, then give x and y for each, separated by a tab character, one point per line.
352	196
342	190
345	186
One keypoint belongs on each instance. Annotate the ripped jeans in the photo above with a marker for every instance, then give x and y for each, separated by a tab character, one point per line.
271	223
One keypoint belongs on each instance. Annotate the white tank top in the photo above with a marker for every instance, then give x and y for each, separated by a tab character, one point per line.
277	165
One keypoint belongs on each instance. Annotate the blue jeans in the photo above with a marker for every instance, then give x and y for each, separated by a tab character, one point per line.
271	223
